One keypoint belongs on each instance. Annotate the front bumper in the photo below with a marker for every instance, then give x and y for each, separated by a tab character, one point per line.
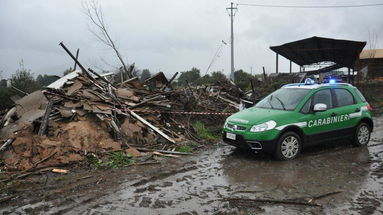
259	145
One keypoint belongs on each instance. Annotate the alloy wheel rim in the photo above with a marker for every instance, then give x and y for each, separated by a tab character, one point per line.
363	135
290	147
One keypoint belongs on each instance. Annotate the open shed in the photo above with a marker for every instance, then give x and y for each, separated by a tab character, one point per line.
342	53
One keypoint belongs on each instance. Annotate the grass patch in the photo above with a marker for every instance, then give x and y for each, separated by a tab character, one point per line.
203	132
185	149
188	146
114	160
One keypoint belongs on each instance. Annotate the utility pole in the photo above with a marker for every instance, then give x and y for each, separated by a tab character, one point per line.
231	8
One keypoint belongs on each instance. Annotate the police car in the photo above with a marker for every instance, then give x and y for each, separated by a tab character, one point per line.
300	115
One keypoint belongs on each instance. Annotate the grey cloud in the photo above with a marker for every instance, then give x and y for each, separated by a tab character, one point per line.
169	35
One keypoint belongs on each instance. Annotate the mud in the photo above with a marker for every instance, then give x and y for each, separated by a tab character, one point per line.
205	183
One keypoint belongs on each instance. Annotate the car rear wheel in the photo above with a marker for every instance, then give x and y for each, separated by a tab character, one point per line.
362	134
289	146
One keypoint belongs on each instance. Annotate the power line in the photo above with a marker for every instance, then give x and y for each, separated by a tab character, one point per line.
312	6
216	55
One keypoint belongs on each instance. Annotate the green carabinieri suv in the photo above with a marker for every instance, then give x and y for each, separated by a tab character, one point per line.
300	115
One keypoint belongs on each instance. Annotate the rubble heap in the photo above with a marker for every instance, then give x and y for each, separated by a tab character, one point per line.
84	113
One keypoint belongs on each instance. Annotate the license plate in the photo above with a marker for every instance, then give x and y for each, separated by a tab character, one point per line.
230	136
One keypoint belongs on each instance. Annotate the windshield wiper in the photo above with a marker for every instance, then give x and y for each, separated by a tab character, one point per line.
283	105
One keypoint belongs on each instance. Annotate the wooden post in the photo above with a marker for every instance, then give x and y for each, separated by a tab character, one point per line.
44	122
264	73
75	62
353	77
276	63
358	74
348	75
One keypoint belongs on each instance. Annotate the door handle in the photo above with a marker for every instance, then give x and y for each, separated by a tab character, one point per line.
333	114
357	109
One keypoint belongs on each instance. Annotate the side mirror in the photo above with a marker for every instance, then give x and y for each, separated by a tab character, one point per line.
320	107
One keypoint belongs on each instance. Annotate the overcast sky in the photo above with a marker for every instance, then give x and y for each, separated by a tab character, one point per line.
171	35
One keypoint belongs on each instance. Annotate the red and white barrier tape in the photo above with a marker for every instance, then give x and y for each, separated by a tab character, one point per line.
184	113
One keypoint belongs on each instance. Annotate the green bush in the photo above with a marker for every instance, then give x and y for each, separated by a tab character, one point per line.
5	98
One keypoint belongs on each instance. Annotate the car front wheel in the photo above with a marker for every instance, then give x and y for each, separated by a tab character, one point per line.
289	146
362	134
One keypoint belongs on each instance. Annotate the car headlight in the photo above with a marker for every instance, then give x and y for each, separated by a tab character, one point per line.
225	125
264	126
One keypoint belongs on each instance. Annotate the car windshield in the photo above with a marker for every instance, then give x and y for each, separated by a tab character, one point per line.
283	99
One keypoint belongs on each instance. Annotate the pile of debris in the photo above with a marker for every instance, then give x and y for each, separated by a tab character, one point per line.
83	113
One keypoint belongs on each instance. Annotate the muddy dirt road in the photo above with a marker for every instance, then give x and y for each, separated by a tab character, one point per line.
221	180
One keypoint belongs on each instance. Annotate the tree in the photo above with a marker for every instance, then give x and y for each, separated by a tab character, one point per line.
206	79
217	77
242	79
45	80
190	76
23	79
145	74
94	12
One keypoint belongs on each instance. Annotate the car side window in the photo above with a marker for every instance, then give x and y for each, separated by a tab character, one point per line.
343	97
324	97
306	108
360	95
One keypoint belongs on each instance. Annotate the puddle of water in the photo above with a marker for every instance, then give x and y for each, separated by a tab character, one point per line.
224	172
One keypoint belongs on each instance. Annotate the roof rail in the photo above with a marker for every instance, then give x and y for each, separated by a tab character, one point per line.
347	84
294	84
316	84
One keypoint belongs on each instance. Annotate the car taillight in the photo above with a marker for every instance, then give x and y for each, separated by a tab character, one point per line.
369	107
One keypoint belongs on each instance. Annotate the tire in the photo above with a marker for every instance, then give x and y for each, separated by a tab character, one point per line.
288	146
362	134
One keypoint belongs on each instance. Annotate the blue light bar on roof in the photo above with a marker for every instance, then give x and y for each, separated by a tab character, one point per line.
332	81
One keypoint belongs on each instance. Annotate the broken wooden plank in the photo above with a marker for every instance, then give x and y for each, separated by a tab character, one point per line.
324	195
133	82
169	82
44	122
274	201
101	77
7	198
42	161
228	101
63	171
158	131
165	155
164	151
147	100
116	129
6	144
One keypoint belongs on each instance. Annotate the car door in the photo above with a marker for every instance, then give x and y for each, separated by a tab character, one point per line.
347	111
317	127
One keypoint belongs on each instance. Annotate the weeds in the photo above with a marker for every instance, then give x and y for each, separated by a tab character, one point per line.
185	149
118	159
203	132
114	160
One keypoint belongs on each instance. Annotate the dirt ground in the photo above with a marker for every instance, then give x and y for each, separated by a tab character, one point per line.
216	180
